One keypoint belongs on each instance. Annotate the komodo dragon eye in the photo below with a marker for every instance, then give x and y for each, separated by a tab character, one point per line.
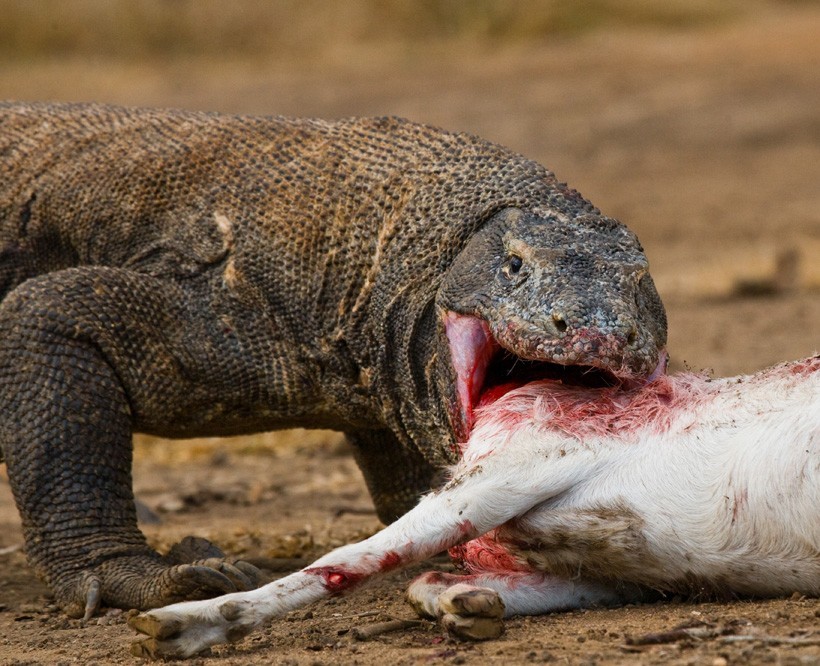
512	266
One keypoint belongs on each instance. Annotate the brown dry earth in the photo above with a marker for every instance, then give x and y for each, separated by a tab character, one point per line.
706	142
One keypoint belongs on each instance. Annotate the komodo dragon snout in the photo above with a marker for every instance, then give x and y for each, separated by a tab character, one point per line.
536	296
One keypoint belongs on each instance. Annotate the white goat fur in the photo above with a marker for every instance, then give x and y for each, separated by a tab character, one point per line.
589	496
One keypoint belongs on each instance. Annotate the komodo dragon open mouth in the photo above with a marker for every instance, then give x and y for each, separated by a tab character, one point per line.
485	370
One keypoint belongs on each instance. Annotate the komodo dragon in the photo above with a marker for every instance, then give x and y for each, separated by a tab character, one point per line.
190	274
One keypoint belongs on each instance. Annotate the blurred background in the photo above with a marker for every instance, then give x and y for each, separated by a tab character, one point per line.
695	122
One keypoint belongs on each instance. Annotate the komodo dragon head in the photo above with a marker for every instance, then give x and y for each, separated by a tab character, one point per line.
532	296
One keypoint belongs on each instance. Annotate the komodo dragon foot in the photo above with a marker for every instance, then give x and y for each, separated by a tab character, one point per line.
194	568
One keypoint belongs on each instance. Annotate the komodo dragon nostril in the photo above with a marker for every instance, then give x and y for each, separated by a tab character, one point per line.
560	322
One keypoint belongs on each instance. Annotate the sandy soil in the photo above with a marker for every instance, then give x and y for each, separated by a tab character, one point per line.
706	142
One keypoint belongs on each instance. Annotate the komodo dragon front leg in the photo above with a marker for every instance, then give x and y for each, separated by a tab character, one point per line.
88	353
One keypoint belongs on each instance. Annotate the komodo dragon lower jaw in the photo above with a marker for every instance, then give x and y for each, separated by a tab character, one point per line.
485	369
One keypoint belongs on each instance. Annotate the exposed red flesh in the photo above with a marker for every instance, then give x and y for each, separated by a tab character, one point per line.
337	580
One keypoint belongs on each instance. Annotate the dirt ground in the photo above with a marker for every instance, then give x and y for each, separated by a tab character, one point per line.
706	141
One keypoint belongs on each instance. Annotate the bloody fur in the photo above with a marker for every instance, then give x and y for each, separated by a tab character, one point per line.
580	497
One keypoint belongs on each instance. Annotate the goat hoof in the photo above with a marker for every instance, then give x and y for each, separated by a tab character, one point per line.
471	613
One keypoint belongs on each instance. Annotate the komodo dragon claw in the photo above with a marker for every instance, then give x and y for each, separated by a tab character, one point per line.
93	596
201	552
243	576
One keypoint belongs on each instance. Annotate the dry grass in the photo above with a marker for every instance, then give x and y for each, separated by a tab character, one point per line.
167	28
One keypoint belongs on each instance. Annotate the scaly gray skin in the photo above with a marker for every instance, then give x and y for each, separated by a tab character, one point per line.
187	274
